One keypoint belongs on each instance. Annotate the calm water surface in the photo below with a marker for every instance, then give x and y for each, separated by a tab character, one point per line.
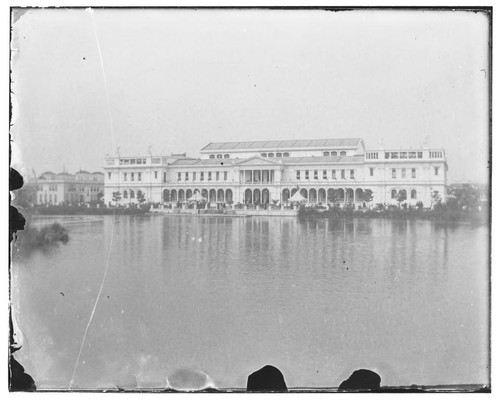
317	299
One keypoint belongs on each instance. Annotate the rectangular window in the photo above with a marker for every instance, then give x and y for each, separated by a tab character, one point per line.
132	176
164	177
186	176
124	176
413	173
403	173
298	175
334	174
109	175
352	174
217	176
325	174
307	174
194	176
202	176
419	154
342	173
316	174
210	175
225	175
179	176
139	176
387	155
412	154
436	171
156	174
371	171
394	173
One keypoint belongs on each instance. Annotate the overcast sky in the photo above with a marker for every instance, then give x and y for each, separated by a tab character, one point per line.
179	79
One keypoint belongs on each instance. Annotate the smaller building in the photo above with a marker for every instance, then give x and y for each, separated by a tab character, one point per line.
65	188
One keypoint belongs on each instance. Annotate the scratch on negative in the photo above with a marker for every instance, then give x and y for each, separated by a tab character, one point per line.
113	225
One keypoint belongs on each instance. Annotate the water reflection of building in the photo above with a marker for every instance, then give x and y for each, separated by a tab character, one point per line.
81	187
324	171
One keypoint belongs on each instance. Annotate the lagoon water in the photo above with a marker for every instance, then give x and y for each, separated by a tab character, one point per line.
317	299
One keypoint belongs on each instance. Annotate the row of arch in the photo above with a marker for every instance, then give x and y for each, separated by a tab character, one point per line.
263	196
212	195
311	195
325	195
395	194
131	194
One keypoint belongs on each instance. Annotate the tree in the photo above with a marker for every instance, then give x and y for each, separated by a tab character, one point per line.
117	196
367	195
464	198
337	195
401	196
435	198
140	197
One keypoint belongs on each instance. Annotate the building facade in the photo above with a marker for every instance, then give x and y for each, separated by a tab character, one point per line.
65	188
324	171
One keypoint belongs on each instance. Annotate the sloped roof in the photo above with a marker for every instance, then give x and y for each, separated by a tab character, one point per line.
329	159
205	161
282	144
284	160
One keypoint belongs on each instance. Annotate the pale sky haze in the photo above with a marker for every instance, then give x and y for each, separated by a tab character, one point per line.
179	79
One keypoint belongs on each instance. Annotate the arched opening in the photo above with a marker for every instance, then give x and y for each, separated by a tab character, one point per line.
403	195
248	196
285	195
294	190
212	196
322	196
350	195
189	194
313	198
303	192
125	194
265	196
256	196
334	153
204	193
229	196
359	195
342	153
414	194
340	195
132	194
330	195
220	195
173	195
181	195
166	195
394	194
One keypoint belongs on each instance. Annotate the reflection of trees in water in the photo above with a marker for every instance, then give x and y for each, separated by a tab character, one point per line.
340	225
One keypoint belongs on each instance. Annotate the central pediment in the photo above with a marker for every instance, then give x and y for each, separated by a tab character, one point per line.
257	161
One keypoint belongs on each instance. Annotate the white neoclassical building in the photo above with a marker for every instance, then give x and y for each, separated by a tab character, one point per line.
323	170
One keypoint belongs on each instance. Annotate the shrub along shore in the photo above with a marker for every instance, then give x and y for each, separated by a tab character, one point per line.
440	212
